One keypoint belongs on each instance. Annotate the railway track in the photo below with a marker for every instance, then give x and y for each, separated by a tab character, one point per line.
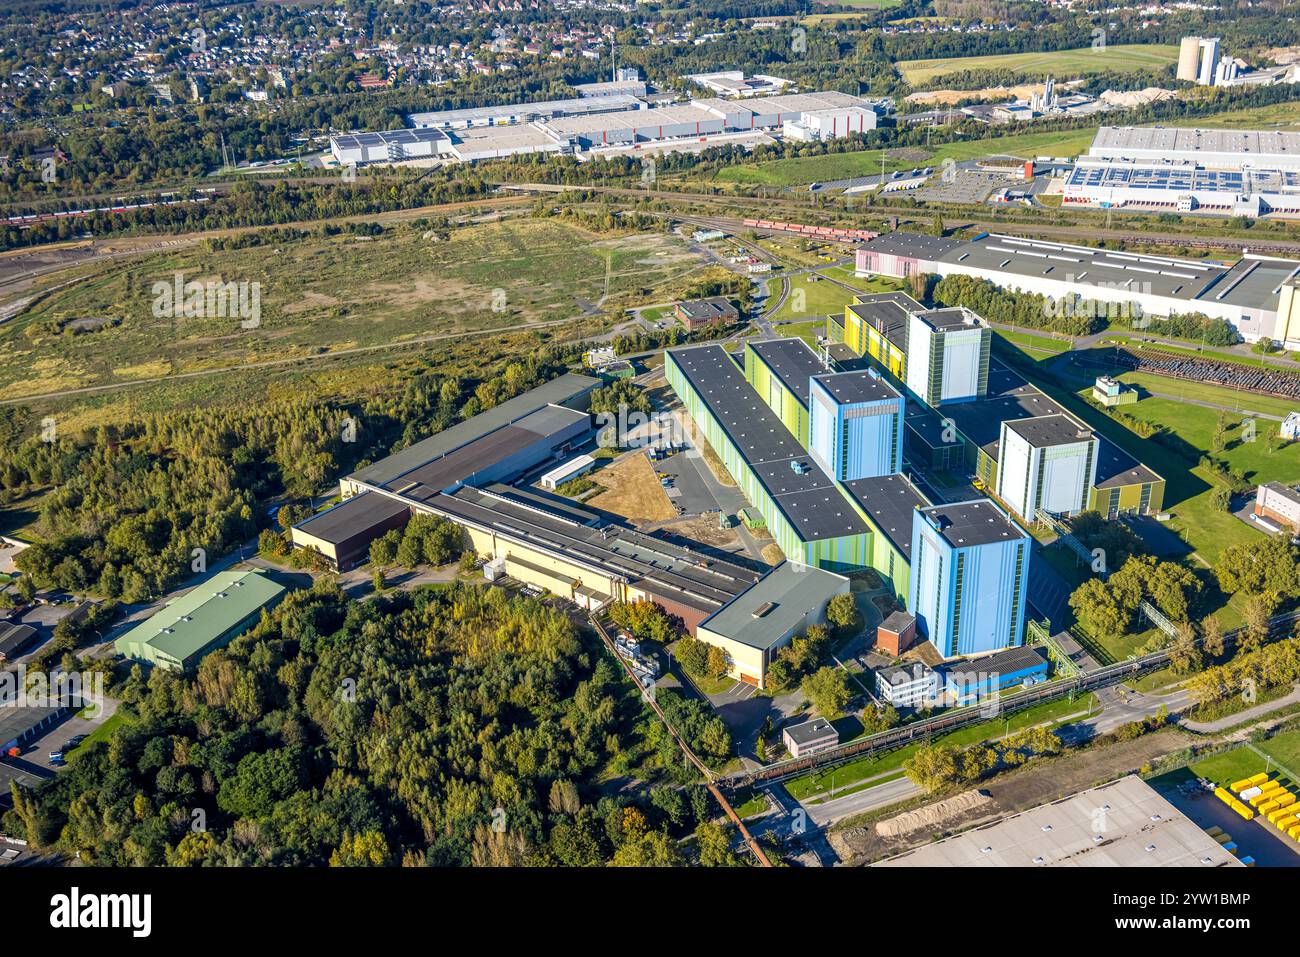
795	208
923	730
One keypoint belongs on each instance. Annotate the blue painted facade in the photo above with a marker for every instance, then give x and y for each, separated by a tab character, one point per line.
855	440
964	688
967	599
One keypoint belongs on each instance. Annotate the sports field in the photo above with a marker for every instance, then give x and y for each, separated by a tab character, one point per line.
1064	64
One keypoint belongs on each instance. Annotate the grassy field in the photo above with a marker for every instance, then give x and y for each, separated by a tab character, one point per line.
1279	116
1189	487
1061	63
801	170
809	297
325	294
815	784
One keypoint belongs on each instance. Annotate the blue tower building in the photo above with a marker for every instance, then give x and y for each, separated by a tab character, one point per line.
970	566
855	425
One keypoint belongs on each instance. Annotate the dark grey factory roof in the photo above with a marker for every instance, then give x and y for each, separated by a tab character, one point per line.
1049	430
1001	663
909	671
953	317
764	613
916	245
977	522
792	361
13	635
353	515
702	581
844	358
560	390
887	313
709	308
1152	275
1253	282
463	463
15	722
1115	467
852	387
761	438
890	501
810	732
1010	398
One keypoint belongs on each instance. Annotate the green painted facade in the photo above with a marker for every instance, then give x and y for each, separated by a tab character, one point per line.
792	413
843	553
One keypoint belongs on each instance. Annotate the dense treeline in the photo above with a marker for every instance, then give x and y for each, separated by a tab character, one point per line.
453	727
253	203
1071	315
129	504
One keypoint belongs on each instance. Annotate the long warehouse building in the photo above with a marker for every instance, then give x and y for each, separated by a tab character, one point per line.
1258	295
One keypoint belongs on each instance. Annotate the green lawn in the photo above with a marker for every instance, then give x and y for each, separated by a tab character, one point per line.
1284	748
102	733
811	296
1062	63
852	772
1037	347
1229	766
800	170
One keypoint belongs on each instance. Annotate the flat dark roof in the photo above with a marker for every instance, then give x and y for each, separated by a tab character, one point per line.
792	361
710	308
851	387
561	390
887	313
1001	663
915	245
807	497
810	732
352	517
1012	398
890	501
977	522
483	453
1050	430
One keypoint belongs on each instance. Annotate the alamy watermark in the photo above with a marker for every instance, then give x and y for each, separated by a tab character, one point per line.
213	299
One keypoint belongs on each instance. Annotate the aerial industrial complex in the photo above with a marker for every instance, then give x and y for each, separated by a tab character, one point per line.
1236	172
613	120
818	451
1257	294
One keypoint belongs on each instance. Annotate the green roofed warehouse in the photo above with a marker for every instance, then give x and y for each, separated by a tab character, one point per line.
205	618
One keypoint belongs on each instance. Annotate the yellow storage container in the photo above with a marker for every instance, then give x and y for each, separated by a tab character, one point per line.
1285	799
1295	831
1258	778
1281	814
1266	807
1245	812
1238	786
1286	823
1221	794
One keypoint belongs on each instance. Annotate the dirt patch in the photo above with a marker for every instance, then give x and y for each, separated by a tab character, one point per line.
632	490
932	816
772	554
310	300
704	528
